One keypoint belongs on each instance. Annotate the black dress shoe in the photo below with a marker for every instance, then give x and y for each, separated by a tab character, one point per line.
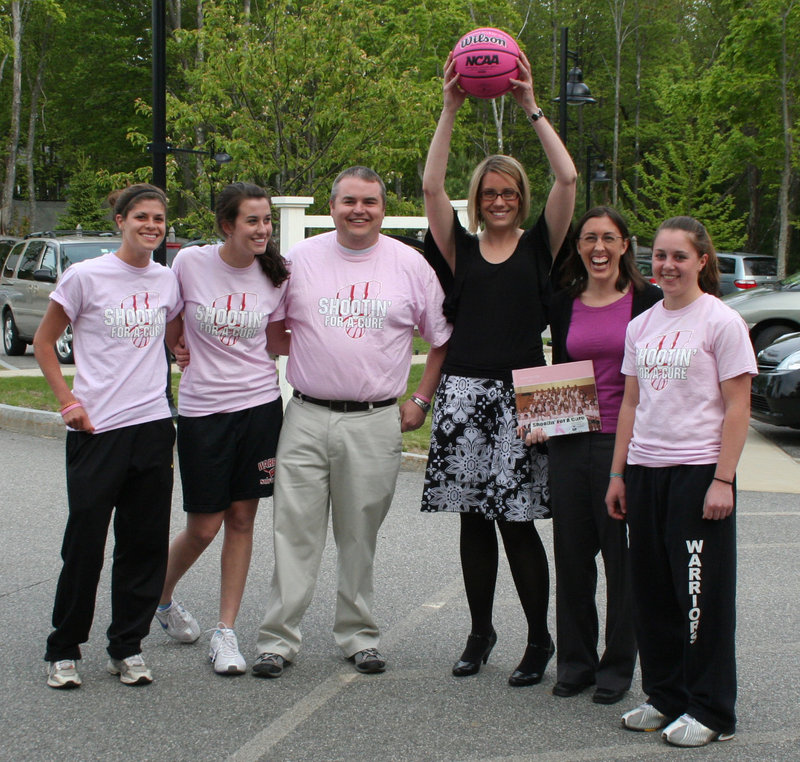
531	669
567	690
478	649
607	696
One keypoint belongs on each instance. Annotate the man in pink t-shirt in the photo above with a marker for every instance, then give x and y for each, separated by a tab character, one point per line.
353	299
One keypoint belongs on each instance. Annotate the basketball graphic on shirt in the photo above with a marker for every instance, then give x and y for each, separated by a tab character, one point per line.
231	315
662	355
353	305
140	315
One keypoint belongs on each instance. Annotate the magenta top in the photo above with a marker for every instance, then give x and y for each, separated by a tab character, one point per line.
598	334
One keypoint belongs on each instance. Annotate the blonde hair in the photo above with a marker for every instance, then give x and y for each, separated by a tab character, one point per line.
506	165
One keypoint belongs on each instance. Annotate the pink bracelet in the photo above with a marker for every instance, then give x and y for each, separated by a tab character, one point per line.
422	397
71	407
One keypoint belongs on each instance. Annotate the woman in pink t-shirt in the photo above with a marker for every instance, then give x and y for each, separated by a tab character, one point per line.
681	429
230	409
120	436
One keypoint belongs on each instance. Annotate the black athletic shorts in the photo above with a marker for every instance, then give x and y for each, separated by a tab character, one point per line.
226	457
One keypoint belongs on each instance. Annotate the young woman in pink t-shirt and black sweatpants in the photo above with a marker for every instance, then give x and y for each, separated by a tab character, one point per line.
680	433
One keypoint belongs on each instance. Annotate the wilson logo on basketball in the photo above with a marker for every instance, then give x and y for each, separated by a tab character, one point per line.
476	39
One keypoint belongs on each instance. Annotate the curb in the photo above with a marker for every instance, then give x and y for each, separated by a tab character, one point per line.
38	423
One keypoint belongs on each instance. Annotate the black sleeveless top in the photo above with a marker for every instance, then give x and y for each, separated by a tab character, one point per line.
498	311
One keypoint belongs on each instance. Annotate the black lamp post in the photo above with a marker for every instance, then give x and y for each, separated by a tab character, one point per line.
598	176
573	90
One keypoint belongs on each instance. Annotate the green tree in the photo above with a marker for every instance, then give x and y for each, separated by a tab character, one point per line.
83	201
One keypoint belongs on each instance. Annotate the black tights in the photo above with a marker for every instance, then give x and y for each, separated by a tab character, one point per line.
528	562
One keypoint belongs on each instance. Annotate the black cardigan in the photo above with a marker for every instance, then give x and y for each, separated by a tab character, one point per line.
561	315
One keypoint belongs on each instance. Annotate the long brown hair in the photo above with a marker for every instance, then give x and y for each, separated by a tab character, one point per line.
227	209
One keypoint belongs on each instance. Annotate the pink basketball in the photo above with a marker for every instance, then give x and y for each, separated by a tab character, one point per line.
486	59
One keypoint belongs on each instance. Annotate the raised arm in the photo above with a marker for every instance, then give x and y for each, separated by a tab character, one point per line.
561	201
437	205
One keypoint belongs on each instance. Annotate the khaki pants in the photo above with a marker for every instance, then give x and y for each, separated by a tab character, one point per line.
345	464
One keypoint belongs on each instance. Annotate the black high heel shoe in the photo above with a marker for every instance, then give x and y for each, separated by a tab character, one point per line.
478	649
531	669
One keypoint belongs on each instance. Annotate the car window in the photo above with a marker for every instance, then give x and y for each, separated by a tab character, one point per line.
77	252
30	260
11	260
727	265
760	266
5	247
49	260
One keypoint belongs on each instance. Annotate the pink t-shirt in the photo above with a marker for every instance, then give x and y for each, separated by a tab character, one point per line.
598	334
225	321
352	317
680	357
118	314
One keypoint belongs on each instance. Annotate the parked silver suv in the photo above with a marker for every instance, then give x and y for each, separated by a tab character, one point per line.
29	275
739	271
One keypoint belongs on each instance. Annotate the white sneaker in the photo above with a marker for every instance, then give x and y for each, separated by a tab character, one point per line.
645	717
131	670
178	623
63	674
224	652
687	731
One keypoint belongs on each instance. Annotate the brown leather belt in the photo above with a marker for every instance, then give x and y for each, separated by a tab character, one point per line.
344	406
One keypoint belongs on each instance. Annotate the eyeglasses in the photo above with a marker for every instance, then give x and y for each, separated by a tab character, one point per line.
590	239
490	195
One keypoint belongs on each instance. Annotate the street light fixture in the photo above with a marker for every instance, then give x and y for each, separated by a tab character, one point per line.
573	91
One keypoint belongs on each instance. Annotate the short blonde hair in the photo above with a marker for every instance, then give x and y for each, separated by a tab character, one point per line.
505	165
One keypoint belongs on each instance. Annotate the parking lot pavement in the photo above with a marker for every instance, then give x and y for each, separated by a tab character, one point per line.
321	709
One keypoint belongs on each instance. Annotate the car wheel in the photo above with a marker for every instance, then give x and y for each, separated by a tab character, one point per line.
64	347
12	344
767	335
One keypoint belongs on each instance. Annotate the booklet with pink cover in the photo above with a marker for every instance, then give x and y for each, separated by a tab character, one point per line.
561	399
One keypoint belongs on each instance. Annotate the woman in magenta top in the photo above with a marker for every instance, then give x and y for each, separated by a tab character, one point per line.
602	291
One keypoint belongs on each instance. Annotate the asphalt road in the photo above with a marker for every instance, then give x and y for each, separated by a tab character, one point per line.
321	709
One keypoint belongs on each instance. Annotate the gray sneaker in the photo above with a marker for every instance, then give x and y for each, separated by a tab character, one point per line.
132	670
224	652
63	674
687	731
368	661
269	665
645	717
178	623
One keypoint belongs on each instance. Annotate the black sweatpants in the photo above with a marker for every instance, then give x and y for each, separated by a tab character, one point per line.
582	528
130	470
683	571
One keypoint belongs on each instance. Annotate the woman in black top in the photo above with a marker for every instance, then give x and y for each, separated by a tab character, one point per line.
477	466
602	291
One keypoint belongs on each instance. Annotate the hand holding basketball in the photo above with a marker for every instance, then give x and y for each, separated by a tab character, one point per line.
522	86
454	95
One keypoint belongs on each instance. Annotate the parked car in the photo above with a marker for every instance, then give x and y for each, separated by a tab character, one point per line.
775	395
645	267
739	271
6	244
29	274
769	311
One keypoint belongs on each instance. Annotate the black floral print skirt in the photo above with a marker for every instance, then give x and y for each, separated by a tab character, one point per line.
477	463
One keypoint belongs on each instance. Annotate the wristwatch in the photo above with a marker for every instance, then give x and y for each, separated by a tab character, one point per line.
536	115
424	406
